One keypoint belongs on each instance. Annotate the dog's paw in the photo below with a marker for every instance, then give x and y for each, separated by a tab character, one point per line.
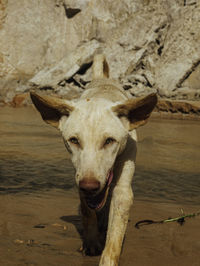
93	248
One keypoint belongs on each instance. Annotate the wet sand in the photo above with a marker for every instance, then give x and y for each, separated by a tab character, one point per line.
39	217
44	230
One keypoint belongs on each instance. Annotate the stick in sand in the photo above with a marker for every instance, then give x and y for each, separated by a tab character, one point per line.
180	220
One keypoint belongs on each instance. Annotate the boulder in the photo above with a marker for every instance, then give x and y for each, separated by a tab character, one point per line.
149	45
67	67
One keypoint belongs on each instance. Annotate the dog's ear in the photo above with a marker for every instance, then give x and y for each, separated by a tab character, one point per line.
135	112
51	108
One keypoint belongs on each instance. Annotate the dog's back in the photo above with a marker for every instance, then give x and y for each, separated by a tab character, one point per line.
101	86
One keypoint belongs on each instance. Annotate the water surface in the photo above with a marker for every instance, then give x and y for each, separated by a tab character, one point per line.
33	158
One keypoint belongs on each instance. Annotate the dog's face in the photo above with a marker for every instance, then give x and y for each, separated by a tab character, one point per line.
95	132
94	136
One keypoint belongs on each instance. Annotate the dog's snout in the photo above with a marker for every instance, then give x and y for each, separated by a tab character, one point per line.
89	185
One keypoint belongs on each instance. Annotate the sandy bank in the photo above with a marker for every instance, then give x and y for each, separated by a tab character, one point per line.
44	229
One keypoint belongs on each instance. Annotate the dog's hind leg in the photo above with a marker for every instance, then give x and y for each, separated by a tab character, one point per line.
93	242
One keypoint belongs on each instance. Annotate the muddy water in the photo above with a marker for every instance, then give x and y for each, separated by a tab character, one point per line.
33	158
169	161
39	220
32	154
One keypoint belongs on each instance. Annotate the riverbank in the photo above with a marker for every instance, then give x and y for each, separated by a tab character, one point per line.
166	108
44	229
39	218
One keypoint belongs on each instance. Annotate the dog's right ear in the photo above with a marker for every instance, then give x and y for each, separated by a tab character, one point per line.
51	108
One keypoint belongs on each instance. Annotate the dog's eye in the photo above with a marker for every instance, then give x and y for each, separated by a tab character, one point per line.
74	140
109	141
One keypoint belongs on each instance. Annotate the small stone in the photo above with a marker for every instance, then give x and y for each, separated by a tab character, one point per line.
18	241
40	226
20	100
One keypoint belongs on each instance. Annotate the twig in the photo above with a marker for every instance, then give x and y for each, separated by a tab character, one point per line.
180	220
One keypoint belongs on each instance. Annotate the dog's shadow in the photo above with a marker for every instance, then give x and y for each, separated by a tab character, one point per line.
76	221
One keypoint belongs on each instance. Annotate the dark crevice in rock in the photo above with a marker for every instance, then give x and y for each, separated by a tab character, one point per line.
84	68
127	87
159	51
46	88
71	12
188	73
83	82
181	110
147	83
62	83
190	3
161	35
75	82
160	28
158	41
142	65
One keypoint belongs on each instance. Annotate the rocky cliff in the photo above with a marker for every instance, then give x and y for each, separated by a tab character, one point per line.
151	45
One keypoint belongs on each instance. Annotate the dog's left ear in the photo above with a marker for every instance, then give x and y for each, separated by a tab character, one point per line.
135	112
51	108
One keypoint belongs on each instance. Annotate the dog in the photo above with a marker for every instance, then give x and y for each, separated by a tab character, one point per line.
99	133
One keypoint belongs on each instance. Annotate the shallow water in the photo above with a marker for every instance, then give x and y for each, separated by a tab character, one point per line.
33	158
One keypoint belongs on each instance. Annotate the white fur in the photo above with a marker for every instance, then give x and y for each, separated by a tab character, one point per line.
103	112
92	122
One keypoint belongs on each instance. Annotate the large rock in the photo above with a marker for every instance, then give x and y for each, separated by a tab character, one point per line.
150	45
181	51
34	34
67	67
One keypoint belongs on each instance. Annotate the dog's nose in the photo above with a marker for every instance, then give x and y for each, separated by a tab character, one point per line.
89	185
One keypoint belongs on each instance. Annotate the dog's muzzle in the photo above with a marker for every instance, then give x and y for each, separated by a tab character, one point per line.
94	200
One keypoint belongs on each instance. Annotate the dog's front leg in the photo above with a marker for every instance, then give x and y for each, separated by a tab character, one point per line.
92	241
118	219
121	202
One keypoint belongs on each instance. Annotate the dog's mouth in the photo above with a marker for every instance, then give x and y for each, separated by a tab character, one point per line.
97	202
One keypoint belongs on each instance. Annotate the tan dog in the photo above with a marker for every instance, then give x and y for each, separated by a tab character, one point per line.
99	132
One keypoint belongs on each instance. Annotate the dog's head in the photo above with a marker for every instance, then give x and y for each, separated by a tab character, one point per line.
95	132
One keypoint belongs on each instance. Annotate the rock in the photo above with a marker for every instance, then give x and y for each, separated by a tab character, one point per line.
150	46
20	100
69	91
141	90
178	107
18	241
181	52
67	67
193	79
33	36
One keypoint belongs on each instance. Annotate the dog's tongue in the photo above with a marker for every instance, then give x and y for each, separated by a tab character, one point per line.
99	201
110	177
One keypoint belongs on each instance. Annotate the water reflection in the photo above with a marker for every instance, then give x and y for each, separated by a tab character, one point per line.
32	175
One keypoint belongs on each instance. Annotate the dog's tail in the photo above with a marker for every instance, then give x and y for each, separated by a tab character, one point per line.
100	67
